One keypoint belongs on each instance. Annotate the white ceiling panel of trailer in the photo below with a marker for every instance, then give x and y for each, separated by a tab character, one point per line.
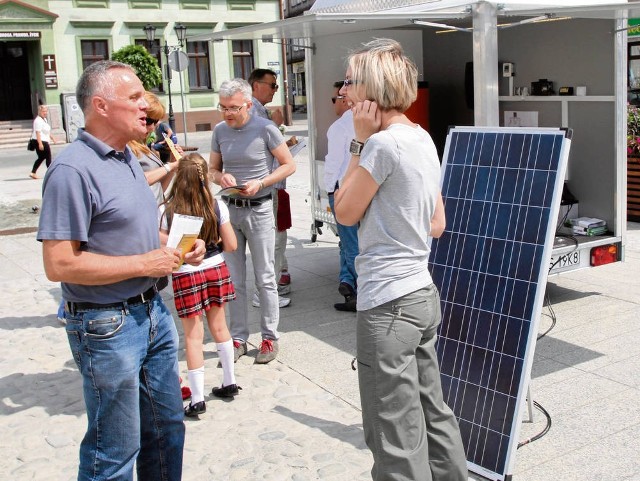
456	13
321	25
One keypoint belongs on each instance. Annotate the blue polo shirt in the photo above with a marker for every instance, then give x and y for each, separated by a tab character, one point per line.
100	197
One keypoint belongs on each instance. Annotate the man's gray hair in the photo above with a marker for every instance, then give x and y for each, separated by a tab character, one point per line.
94	81
229	88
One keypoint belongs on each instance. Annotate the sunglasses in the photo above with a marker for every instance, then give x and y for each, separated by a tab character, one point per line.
339	97
273	85
349	81
151	121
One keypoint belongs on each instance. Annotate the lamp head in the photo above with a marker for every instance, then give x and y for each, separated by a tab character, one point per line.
150	32
181	32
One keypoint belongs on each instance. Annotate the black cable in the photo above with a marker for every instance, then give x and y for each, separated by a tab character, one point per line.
561	224
552	315
541	433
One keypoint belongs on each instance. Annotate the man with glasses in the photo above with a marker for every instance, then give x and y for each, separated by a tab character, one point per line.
264	86
247	146
336	162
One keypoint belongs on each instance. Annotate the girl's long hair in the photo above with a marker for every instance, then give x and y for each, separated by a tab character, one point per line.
190	195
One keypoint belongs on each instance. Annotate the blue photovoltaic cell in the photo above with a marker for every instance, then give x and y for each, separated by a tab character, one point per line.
499	188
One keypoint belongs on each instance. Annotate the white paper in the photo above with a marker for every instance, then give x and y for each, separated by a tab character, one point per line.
520	119
296	148
183	225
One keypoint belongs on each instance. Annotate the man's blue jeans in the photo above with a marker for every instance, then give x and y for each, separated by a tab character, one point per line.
129	365
348	250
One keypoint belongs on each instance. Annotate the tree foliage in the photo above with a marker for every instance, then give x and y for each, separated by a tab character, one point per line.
144	64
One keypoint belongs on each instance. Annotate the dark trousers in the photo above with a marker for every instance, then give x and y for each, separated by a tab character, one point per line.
44	154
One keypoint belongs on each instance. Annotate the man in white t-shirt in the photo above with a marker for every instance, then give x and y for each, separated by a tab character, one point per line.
336	162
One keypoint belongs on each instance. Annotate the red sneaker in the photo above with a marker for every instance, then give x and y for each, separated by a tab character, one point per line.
186	392
285	278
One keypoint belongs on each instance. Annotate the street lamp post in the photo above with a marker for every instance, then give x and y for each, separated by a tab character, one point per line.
181	33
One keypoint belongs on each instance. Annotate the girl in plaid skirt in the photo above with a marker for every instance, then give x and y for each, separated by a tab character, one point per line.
205	287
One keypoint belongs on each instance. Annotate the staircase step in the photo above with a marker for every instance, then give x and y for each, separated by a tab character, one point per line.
12	134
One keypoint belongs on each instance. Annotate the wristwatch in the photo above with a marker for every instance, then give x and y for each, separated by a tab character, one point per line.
355	147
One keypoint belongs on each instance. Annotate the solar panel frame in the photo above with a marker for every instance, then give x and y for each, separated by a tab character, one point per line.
508	260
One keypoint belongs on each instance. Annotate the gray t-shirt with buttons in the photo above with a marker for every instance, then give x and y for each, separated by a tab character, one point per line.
100	197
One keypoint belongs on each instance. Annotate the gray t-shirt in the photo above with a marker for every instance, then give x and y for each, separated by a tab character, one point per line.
99	197
393	234
246	152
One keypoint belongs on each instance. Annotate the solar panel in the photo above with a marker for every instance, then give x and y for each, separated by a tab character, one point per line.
501	188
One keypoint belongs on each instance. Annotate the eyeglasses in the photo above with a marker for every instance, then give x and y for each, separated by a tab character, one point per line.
273	85
338	97
232	110
151	121
349	81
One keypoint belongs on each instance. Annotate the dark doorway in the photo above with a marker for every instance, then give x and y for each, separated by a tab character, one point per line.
15	91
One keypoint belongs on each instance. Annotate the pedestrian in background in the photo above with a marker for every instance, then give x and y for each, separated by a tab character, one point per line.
41	134
100	235
336	161
392	187
263	87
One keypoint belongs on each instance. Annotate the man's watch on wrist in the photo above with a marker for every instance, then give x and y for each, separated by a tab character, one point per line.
355	147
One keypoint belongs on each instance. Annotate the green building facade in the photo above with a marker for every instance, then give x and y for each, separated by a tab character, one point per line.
46	44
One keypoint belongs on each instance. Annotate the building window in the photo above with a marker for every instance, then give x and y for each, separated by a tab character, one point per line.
93	51
199	77
242	58
91	3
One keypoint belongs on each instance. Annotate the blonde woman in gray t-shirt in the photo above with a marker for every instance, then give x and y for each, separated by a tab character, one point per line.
392	188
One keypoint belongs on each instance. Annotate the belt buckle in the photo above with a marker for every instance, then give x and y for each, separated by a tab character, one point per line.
246	202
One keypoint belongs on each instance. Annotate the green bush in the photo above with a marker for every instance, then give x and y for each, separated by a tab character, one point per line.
145	65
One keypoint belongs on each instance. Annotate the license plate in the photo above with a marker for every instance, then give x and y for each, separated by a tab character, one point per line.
567	260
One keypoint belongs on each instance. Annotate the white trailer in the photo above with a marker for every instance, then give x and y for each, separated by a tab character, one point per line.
571	43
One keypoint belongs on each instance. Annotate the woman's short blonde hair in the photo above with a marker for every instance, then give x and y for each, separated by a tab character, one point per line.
382	73
155	110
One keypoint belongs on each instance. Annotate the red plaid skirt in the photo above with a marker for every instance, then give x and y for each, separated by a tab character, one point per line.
194	292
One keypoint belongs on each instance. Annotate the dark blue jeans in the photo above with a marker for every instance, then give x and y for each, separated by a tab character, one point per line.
129	365
348	250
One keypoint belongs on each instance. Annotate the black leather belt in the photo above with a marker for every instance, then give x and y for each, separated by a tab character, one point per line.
240	202
146	296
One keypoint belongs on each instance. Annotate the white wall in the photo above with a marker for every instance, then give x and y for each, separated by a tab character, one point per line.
329	66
